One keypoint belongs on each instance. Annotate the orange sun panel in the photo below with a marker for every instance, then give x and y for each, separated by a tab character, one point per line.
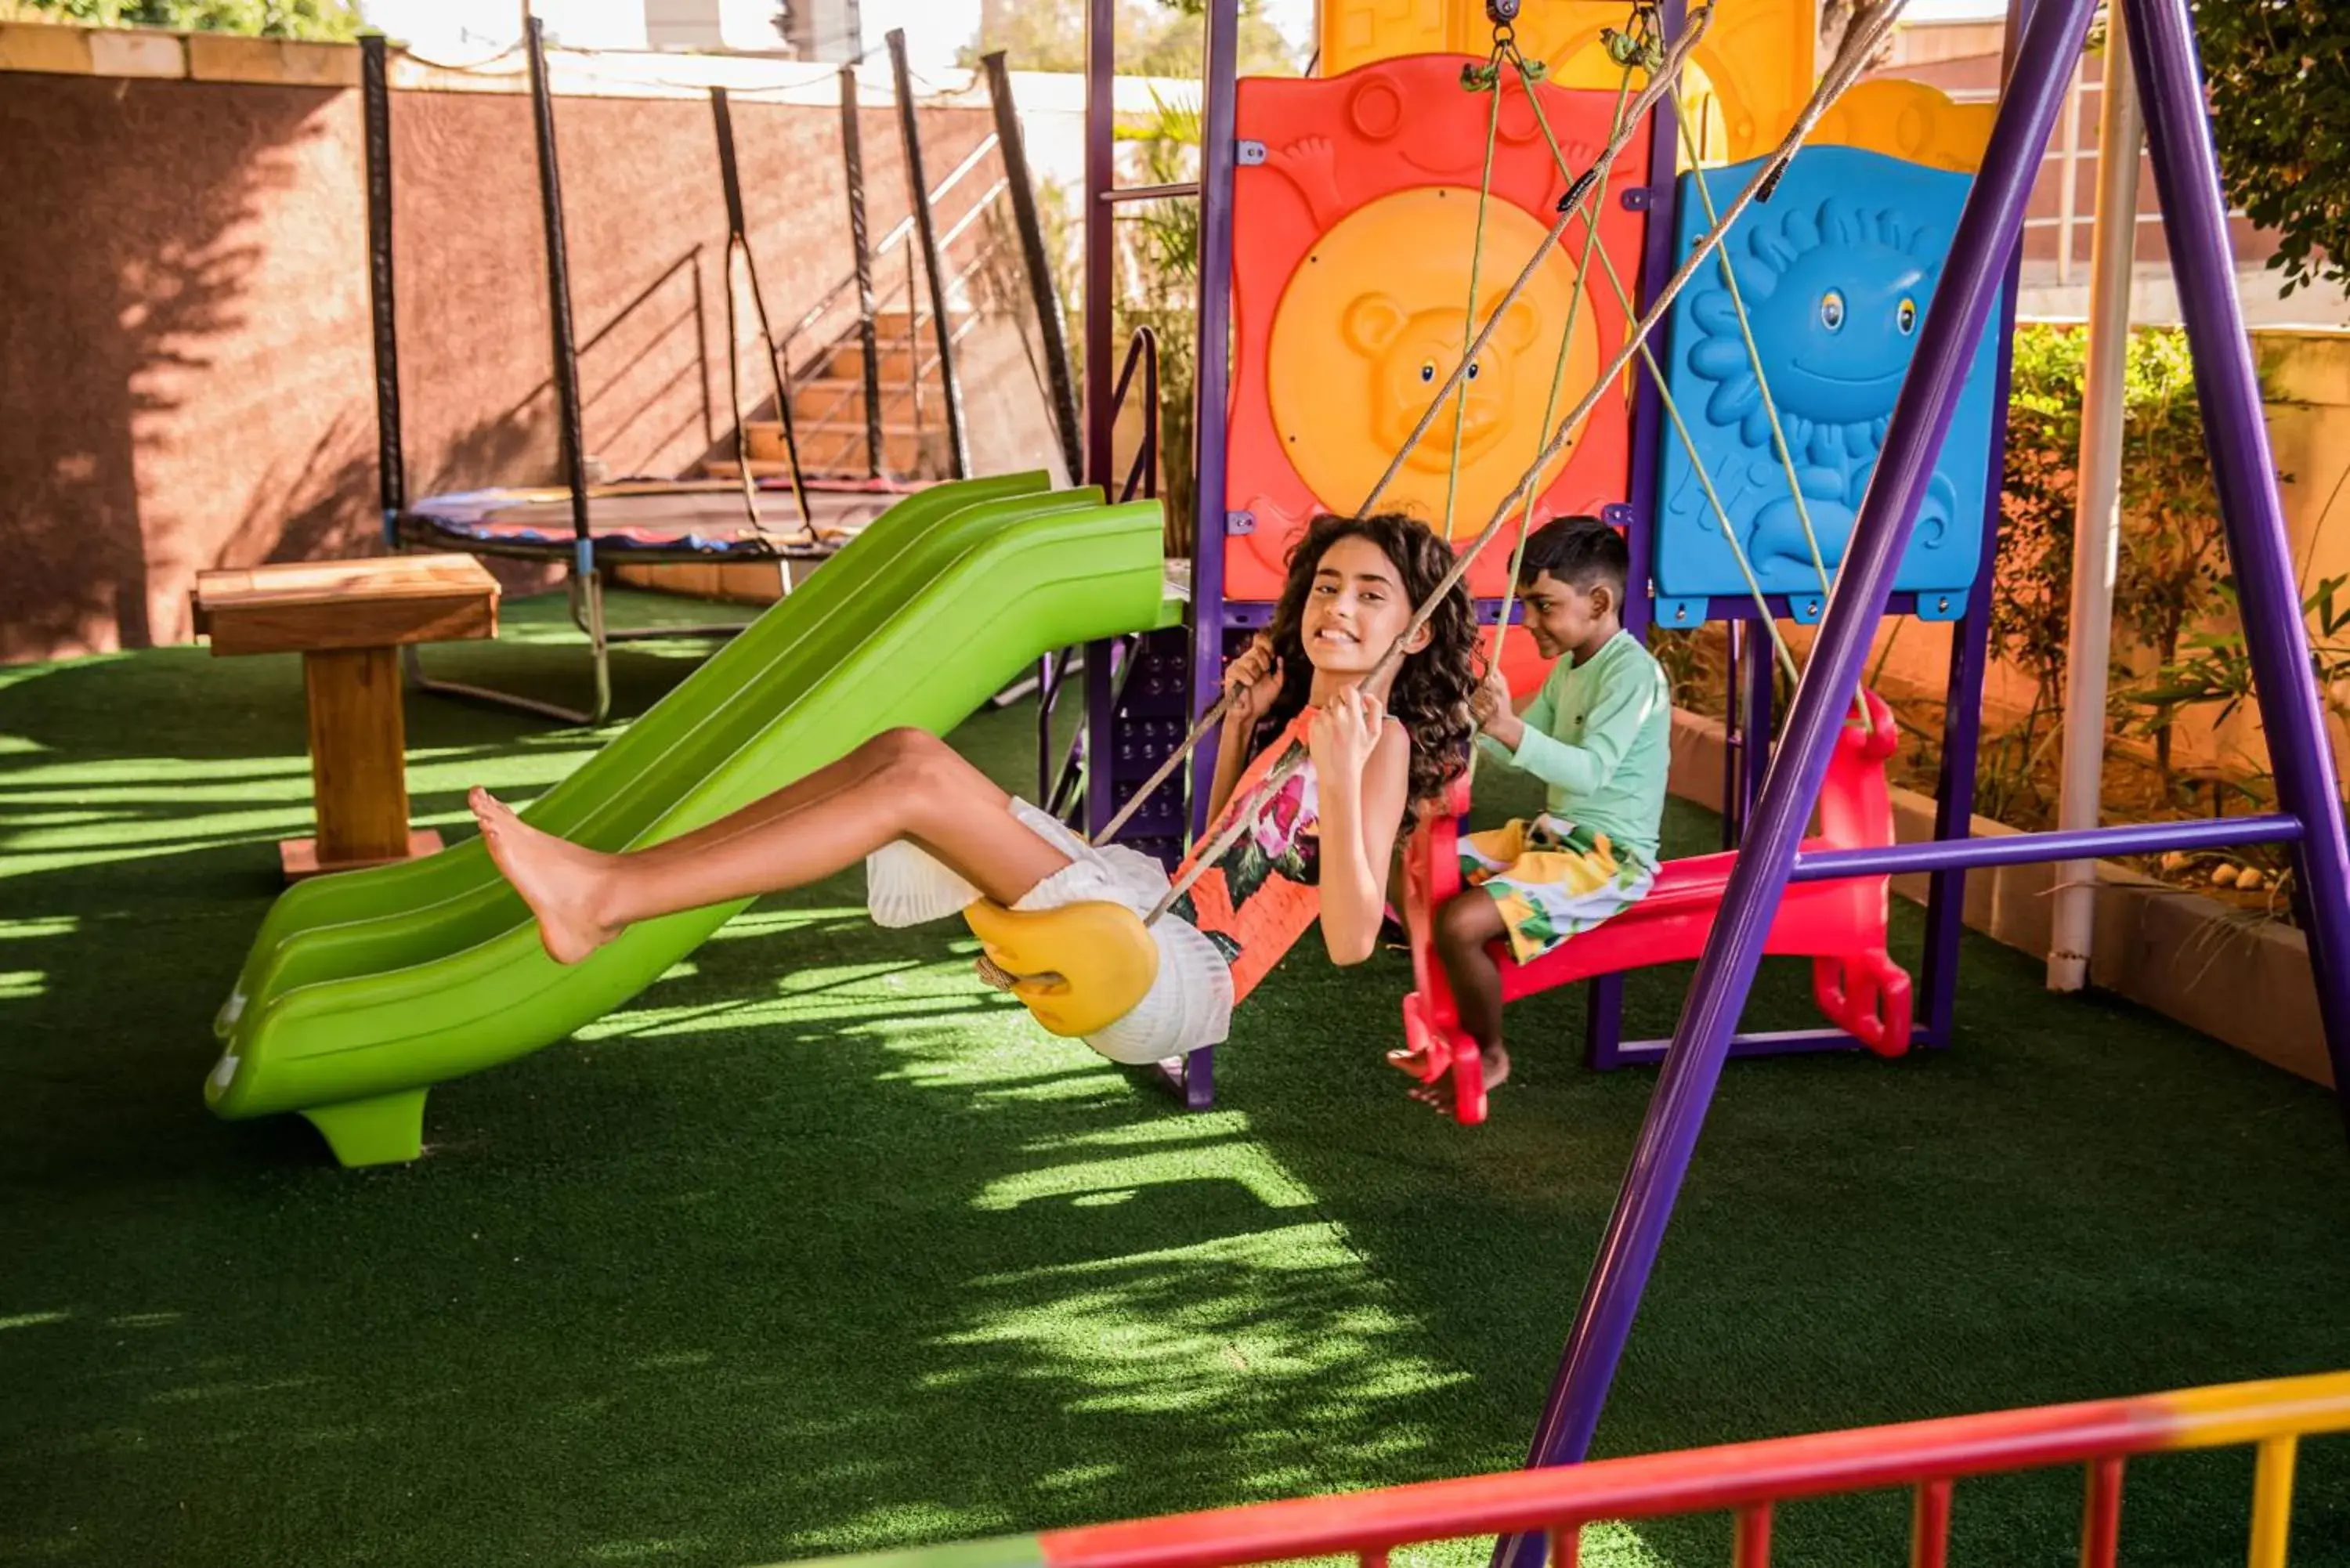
1352	246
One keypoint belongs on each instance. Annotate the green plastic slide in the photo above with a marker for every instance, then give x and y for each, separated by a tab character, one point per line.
364	990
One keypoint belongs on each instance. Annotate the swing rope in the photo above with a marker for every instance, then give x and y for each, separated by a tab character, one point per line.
1859	42
1784	656
1491	79
1699	19
1529	72
1693	29
1754	356
1768	623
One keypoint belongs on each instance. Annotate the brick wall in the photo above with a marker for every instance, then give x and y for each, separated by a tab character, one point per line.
185	343
1963	60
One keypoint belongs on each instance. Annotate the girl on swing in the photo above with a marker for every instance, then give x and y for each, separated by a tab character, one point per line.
937	834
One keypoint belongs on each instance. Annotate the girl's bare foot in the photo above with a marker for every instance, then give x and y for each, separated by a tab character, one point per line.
1438	1094
556	879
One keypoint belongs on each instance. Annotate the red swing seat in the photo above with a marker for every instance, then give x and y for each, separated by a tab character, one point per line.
1840	925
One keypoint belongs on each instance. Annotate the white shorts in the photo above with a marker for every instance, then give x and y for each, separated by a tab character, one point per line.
1190	1003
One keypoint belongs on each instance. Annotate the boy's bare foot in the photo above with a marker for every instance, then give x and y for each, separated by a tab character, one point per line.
554	879
1438	1095
1405	1059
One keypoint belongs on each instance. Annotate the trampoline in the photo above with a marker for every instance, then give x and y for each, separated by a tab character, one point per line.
653	521
588	526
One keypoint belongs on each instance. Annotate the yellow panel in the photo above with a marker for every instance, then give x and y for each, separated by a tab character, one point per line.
1909	120
1359	32
1372	322
1749	76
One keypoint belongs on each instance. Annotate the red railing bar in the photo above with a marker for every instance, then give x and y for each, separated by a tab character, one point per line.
1377	1559
2101	1515
1644	1486
1753	1547
1708	1480
1566	1546
1929	1526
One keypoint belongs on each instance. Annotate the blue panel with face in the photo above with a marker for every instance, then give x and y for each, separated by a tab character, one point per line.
1837	271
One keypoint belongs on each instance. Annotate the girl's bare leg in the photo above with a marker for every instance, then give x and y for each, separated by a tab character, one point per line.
848	773
906	784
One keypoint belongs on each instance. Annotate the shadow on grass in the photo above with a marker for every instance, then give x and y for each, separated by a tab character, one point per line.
817	1245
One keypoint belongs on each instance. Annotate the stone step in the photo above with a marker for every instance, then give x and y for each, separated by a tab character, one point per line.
767	437
840	449
841	398
845	360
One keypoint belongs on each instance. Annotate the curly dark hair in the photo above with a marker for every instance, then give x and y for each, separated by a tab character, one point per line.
1431	688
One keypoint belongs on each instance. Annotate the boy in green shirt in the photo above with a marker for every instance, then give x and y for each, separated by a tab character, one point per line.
1599	734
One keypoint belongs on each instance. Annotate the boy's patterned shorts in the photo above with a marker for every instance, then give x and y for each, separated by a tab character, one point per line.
1551	880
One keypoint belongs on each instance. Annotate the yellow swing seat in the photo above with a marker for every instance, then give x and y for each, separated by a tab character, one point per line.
1078	968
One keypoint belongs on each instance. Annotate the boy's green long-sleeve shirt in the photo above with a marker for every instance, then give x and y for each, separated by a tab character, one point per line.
1600	735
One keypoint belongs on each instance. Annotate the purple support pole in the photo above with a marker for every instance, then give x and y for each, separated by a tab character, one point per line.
2040	848
1733	651
1921	418
1218	151
1755	729
1963	699
1101	173
1656	199
1212	381
2236	437
1954	788
1602	1004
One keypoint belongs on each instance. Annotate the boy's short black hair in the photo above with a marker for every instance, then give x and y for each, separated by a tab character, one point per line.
1581	552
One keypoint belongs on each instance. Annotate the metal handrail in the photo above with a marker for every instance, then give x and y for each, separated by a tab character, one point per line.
900	232
1142	348
1178	190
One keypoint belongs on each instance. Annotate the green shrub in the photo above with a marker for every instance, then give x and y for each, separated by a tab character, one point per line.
2171	573
332	20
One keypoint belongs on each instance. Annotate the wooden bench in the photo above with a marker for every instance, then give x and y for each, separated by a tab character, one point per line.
348	619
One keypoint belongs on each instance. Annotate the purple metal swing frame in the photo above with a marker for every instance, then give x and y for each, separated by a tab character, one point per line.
1773	792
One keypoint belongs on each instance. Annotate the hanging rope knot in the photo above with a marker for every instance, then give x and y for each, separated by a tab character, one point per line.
1639	48
1475	78
1529	71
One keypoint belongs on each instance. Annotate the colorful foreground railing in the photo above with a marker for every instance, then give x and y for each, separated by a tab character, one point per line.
1743	1479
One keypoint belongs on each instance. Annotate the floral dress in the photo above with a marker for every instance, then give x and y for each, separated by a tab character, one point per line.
1261	895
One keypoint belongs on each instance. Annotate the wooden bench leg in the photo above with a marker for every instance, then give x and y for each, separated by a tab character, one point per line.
358	764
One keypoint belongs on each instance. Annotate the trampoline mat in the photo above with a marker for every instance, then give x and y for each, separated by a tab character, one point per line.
692	519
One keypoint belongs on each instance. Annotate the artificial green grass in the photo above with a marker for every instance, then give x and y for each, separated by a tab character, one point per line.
819	1246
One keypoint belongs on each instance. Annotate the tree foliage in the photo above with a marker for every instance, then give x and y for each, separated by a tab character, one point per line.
1163	39
325	20
2280	75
